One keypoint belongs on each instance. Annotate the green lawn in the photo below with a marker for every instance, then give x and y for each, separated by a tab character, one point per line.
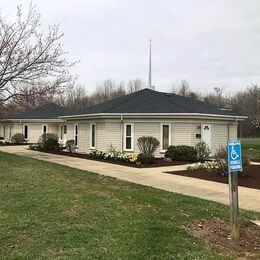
52	211
251	146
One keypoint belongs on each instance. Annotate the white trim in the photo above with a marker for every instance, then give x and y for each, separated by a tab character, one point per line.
90	137
132	137
77	144
161	134
47	128
28	131
155	114
57	120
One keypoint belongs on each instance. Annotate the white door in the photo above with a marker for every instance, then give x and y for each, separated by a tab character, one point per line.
206	134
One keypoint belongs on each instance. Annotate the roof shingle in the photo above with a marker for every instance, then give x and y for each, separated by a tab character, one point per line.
150	101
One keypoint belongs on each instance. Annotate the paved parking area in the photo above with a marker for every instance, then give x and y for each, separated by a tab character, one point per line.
154	177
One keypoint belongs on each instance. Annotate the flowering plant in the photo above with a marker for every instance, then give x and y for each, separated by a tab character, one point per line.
206	166
114	156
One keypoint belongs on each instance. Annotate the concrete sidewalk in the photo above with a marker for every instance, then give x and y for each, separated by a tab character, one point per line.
155	177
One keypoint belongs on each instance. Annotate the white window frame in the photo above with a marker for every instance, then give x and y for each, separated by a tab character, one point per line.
28	131
90	137
77	134
47	128
132	137
170	135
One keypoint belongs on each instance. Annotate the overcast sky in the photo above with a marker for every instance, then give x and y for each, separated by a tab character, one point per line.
209	43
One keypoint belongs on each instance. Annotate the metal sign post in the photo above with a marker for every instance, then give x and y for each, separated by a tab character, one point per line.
234	166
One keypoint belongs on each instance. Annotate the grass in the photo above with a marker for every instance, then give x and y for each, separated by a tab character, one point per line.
251	146
52	211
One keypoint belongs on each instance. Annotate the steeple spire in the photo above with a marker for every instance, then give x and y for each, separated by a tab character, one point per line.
150	67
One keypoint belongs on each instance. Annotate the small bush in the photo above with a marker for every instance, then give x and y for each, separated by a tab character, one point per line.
202	151
222	154
147	144
18	138
2	140
145	158
182	153
71	146
49	142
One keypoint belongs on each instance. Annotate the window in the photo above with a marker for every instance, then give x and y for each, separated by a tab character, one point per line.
65	129
165	136
10	131
128	137
26	132
61	132
44	129
76	134
92	135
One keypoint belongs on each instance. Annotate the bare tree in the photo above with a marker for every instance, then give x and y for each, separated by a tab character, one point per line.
184	90
134	85
31	62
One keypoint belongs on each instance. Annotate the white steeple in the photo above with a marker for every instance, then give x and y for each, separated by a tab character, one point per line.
150	67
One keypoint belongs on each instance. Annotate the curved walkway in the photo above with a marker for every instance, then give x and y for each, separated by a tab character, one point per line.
155	177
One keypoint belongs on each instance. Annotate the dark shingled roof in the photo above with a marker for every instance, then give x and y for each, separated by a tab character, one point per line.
48	111
150	101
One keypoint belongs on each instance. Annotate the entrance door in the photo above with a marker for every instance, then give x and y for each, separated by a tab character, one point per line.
206	134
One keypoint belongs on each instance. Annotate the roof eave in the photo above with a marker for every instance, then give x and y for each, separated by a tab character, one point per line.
103	115
55	120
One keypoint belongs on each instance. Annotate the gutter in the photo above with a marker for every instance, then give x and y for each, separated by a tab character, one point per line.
57	120
155	114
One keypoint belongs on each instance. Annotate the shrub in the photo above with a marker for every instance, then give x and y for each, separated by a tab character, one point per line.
71	146
182	153
147	144
202	151
18	138
2	140
49	142
145	158
222	154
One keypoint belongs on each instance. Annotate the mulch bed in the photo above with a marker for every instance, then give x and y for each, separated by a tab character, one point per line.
251	180
216	232
158	162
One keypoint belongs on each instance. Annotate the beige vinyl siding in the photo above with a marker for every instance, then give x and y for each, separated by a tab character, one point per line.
147	129
181	133
17	128
219	136
195	130
233	132
53	128
113	133
84	137
70	131
101	134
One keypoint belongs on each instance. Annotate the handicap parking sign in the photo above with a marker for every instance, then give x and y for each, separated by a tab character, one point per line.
234	156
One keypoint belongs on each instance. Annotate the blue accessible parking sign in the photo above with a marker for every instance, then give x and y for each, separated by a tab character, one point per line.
234	156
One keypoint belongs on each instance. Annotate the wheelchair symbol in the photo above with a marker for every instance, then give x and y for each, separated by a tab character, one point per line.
234	154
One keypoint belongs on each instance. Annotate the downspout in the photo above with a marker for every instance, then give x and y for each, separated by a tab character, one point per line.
122	132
